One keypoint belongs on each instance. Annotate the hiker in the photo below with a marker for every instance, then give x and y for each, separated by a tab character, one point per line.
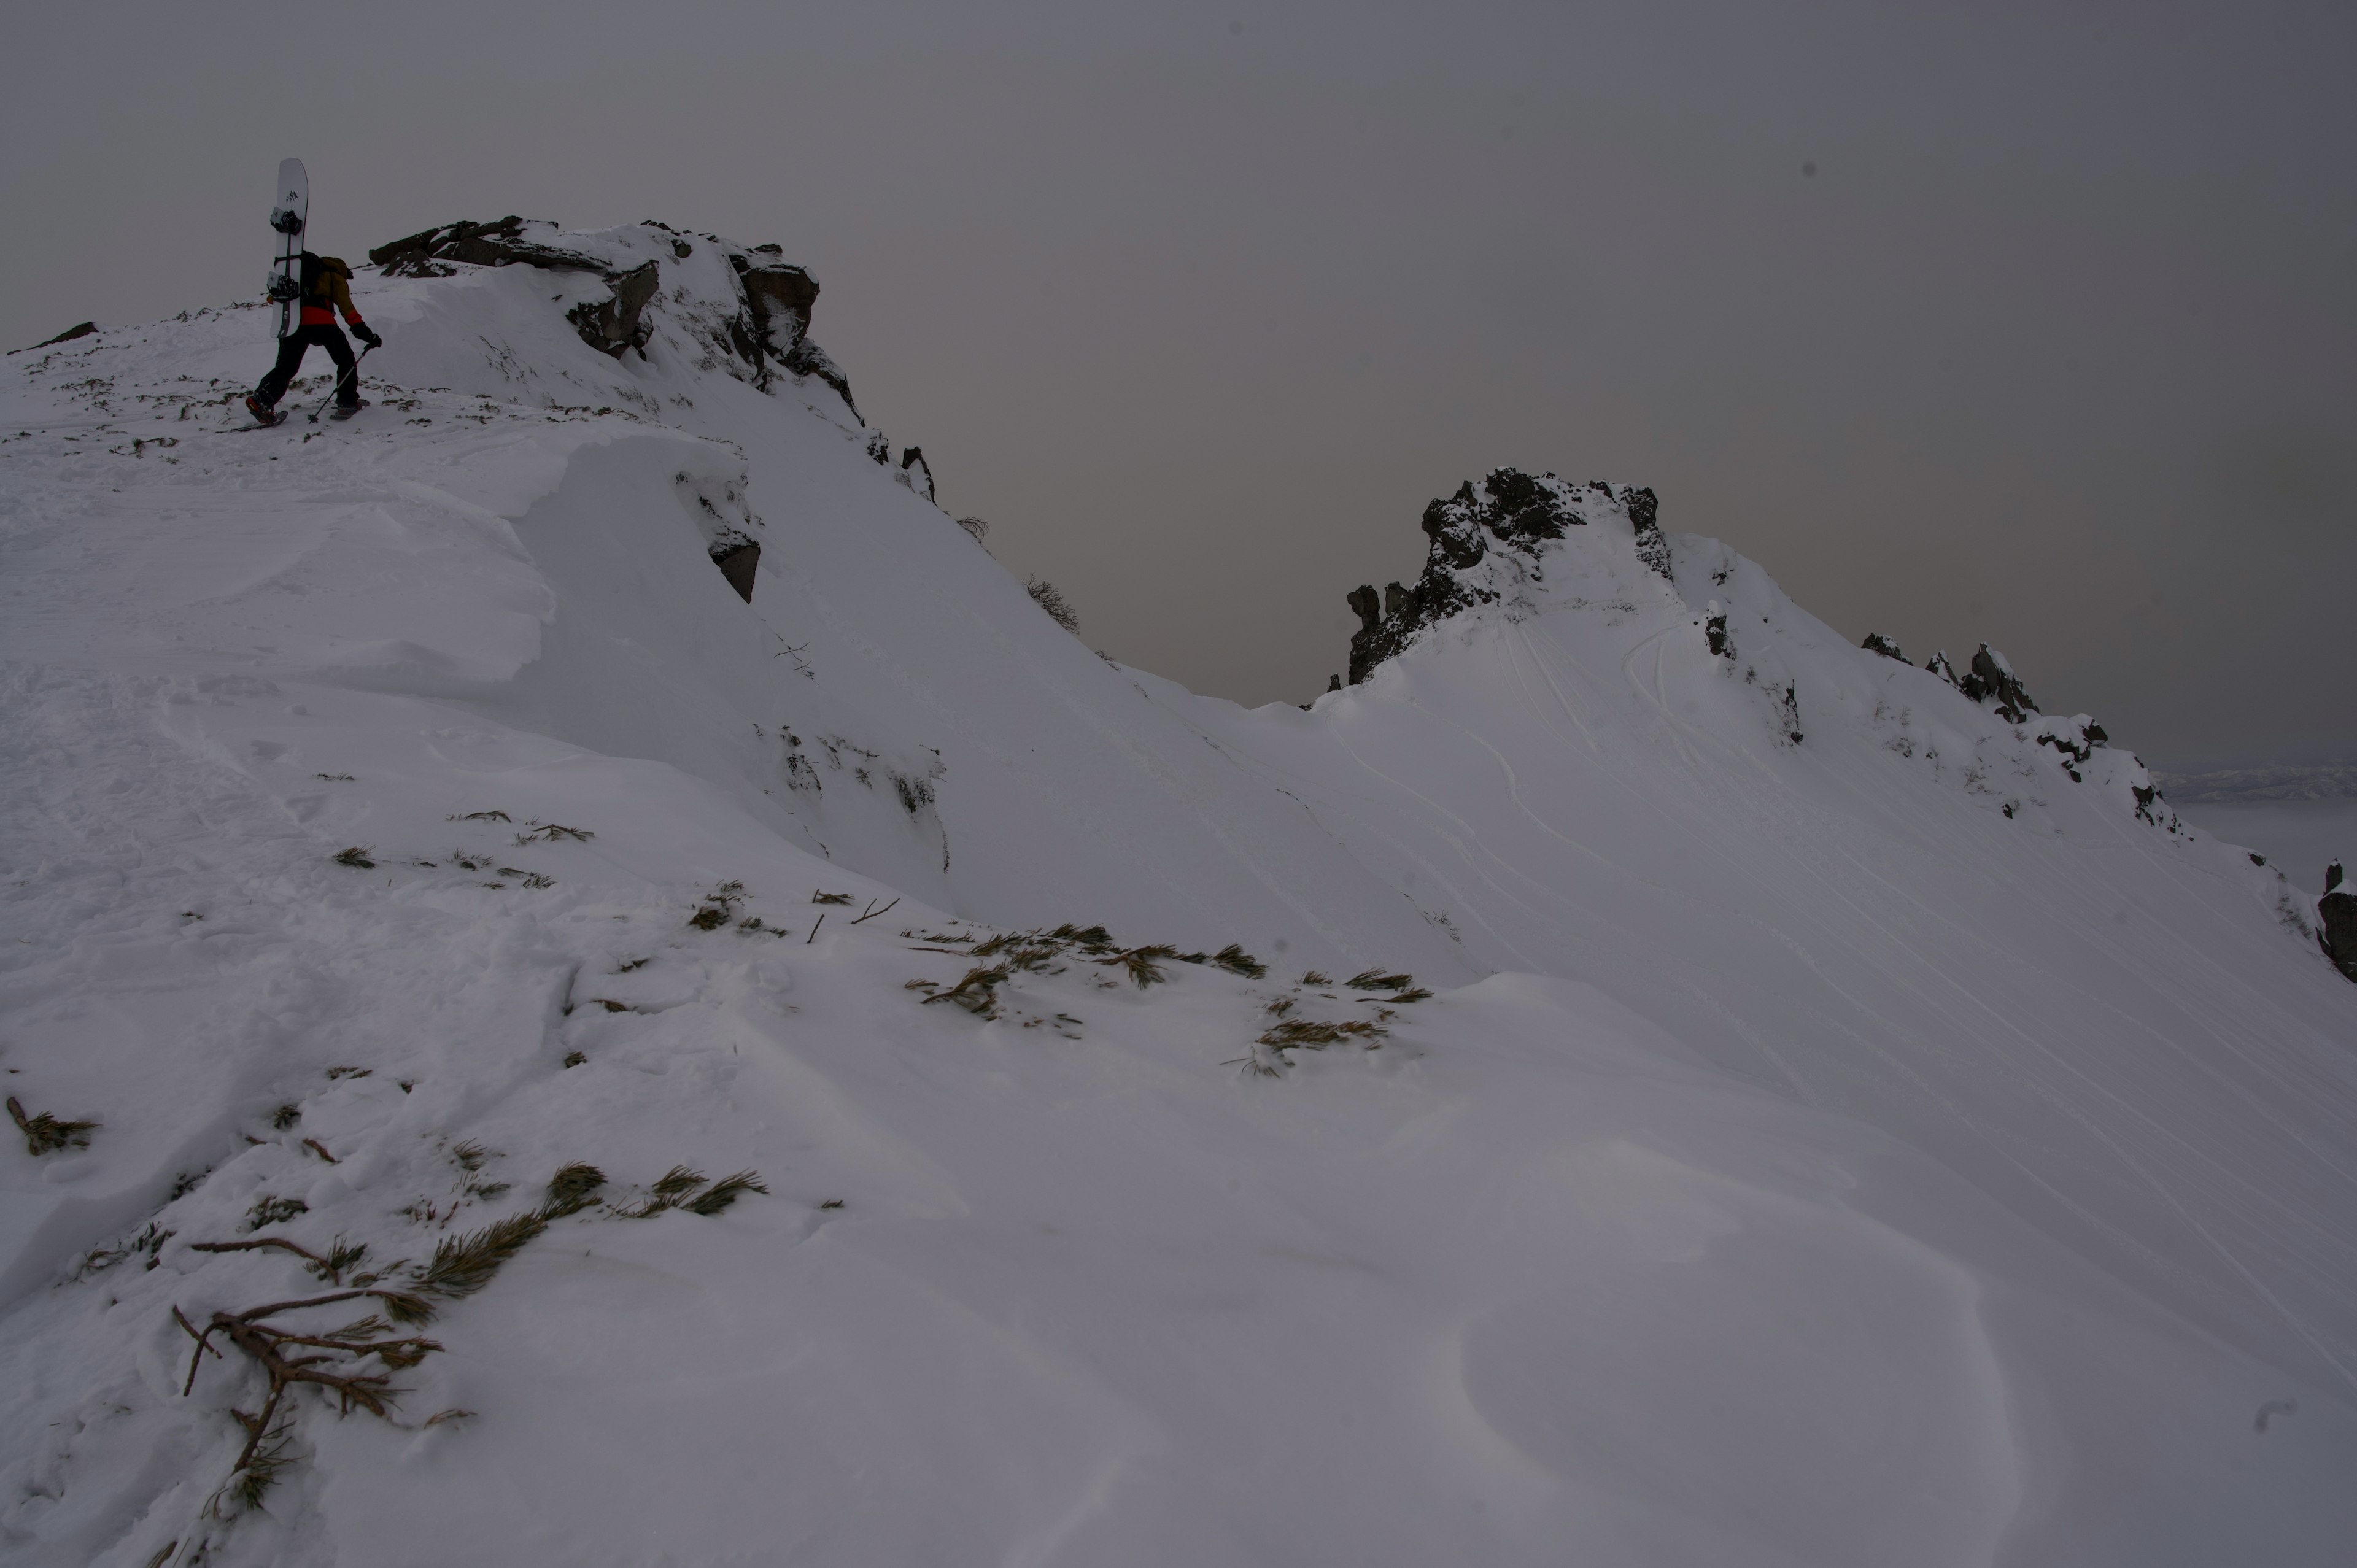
326	289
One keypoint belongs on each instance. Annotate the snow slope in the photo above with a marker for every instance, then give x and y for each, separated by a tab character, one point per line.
1806	1158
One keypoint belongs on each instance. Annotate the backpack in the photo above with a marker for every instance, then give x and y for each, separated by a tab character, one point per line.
318	272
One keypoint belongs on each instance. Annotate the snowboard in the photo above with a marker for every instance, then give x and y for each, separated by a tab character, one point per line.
290	211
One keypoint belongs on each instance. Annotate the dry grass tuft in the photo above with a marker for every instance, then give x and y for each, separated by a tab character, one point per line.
357	857
1376	980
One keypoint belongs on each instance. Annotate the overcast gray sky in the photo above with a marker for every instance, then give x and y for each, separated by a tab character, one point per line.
1200	303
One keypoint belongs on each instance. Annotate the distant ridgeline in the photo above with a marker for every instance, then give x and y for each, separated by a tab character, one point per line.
1487	548
2324	781
1497	546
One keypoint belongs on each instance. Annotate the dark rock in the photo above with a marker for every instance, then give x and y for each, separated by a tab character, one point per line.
778	295
1644	512
1645	509
2336	914
1877	643
1991	676
880	449
431	255
2076	742
1714	629
1938	665
611	325
807	358
1509	510
916	472
79	329
1334	683
738	565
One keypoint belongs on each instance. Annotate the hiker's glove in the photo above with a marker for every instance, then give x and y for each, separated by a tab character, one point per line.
367	334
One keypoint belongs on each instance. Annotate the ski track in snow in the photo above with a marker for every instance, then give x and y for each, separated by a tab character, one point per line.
1801	1161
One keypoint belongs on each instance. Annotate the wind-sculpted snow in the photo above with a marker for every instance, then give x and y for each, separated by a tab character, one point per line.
1634	1081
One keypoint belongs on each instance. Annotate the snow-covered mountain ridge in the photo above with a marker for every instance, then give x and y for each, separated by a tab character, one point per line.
1853	1123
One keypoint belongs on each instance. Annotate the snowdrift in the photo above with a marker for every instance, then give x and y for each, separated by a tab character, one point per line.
1632	1079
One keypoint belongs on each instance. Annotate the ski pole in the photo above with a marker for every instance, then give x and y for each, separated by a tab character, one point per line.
337	380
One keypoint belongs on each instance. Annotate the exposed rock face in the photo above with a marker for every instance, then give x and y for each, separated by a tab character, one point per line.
774	325
1653	549
1991	676
2337	914
1509	513
611	325
1713	630
769	329
500	244
916	473
731	532
1877	643
79	329
807	358
738	565
1938	665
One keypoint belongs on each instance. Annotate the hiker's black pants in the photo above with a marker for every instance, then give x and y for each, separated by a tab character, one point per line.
291	350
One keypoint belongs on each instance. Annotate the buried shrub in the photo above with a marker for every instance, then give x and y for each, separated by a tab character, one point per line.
1143	964
1309	1035
1046	594
357	1361
682	1187
978	991
47	1134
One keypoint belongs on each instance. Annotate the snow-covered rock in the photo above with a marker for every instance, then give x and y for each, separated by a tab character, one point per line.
1633	1079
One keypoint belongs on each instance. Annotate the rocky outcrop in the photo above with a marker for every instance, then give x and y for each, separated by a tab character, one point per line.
1510	511
79	329
436	253
774	328
916	473
766	331
1714	629
731	532
738	565
2336	913
778	296
1991	676
612	326
1652	548
807	358
1877	643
